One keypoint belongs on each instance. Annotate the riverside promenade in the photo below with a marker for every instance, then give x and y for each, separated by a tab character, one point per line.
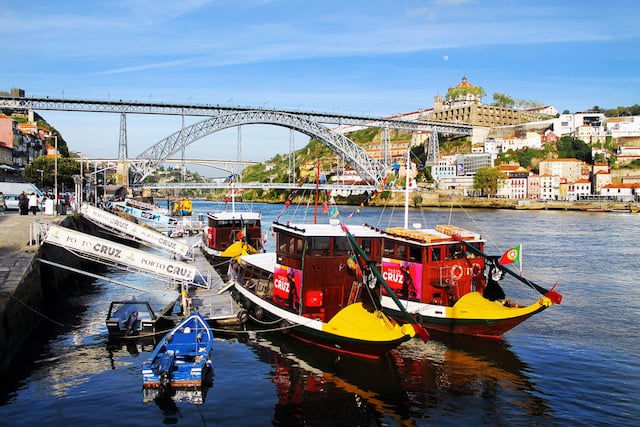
20	288
16	251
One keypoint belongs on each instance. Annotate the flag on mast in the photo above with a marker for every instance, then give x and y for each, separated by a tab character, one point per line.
513	255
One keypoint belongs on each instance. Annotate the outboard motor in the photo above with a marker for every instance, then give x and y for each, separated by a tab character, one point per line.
165	367
132	320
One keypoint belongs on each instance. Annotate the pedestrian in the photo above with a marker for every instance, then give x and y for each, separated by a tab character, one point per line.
23	203
33	203
3	205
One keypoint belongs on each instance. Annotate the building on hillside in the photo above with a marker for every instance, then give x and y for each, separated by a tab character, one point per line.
549	187
571	169
568	124
516	184
532	140
7	132
533	186
547	110
458	185
468	164
622	192
623	127
444	169
599	180
626	155
579	189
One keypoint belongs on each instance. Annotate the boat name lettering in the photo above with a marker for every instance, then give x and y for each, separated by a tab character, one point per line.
108	250
177	270
281	284
153	263
394	276
168	243
119	223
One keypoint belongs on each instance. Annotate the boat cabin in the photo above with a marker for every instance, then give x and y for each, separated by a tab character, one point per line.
315	273
225	228
430	266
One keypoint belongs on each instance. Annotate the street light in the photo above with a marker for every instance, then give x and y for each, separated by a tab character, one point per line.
41	178
55	177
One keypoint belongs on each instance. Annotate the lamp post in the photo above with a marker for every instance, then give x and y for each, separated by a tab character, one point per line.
55	177
41	177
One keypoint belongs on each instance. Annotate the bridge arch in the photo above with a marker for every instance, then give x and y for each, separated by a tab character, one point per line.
366	166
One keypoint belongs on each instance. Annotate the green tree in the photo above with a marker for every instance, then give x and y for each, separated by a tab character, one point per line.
570	147
503	100
66	169
487	180
462	91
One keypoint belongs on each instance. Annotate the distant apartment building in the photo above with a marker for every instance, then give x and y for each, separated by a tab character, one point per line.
622	192
626	155
622	127
578	189
516	184
571	169
444	169
549	187
568	124
533	186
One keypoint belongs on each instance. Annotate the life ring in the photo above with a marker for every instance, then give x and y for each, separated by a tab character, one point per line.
456	272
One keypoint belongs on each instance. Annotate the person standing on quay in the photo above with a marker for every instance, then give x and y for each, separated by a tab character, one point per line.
3	206
33	203
23	203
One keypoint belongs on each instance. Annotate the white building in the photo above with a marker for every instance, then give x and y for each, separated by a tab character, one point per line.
579	189
567	124
549	187
619	127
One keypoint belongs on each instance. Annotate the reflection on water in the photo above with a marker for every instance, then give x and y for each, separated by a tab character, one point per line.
308	380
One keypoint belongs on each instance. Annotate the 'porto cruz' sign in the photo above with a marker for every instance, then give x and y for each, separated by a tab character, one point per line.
107	250
145	234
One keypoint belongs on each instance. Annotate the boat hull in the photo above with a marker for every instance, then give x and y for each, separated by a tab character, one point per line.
354	331
182	359
472	315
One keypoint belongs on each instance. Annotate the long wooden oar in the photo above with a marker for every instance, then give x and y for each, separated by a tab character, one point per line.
418	328
554	296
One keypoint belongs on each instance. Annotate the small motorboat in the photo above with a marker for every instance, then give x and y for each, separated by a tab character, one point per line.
144	315
182	359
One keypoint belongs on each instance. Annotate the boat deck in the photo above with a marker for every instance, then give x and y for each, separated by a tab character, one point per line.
216	304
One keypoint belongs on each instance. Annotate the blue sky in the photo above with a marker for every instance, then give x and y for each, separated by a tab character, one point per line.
359	57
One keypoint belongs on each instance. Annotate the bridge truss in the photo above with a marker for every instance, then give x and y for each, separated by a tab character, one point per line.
313	124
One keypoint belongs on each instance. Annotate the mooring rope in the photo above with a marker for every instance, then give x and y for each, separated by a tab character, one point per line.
44	316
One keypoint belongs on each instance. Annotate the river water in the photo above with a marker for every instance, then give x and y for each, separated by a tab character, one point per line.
574	364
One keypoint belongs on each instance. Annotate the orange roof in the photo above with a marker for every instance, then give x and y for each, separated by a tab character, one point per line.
464	83
628	185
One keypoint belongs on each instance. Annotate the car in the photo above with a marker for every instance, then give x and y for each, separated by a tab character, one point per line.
11	202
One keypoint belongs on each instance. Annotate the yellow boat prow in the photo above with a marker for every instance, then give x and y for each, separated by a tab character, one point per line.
354	321
474	306
237	249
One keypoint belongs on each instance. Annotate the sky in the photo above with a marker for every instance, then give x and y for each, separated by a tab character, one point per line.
369	57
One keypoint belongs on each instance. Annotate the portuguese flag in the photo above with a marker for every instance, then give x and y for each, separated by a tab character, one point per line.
512	256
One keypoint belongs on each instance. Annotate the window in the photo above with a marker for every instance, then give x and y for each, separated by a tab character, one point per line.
435	254
341	245
319	246
389	249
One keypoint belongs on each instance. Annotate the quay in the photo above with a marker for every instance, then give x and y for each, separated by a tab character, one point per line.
21	293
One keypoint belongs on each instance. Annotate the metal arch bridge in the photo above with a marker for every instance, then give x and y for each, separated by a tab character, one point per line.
366	166
309	123
348	188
